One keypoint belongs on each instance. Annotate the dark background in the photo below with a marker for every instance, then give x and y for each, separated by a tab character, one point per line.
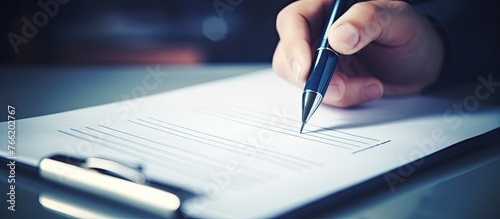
147	31
85	34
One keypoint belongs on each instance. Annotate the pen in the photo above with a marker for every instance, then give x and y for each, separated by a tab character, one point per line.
325	62
324	66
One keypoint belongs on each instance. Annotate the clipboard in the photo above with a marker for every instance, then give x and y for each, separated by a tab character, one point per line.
113	180
304	159
92	172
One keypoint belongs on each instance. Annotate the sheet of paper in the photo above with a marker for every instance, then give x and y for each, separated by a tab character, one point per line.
236	142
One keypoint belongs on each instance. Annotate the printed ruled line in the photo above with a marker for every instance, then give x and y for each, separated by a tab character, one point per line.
213	159
244	144
162	129
292	162
174	156
251	170
293	128
142	150
296	121
179	170
293	132
196	174
281	132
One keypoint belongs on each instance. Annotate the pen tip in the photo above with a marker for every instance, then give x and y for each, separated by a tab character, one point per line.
302	127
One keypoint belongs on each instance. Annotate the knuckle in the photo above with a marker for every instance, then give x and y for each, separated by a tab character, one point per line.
375	16
380	13
282	17
369	11
396	7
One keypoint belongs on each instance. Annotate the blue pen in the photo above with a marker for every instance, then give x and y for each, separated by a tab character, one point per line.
324	66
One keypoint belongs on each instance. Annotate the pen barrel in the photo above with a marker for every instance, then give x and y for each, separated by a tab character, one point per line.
322	72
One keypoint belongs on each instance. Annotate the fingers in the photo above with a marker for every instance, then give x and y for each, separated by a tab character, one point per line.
294	67
390	23
293	56
346	91
399	45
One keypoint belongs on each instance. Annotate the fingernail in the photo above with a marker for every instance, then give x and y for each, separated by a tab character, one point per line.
347	35
334	91
372	92
296	68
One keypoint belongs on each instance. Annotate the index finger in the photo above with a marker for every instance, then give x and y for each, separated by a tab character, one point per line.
299	25
301	19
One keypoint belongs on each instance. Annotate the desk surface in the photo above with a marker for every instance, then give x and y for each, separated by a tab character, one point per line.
465	188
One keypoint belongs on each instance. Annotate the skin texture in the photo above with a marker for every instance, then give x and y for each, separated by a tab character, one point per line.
387	48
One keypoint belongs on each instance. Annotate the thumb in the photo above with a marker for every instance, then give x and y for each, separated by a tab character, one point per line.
390	23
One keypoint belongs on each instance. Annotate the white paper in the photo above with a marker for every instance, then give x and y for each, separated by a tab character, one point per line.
237	144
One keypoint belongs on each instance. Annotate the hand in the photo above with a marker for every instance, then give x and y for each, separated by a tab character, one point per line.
387	48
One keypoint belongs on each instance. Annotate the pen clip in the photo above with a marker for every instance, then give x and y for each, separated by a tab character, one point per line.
114	168
92	176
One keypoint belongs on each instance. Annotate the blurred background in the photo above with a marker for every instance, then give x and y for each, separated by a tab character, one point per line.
133	32
52	54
